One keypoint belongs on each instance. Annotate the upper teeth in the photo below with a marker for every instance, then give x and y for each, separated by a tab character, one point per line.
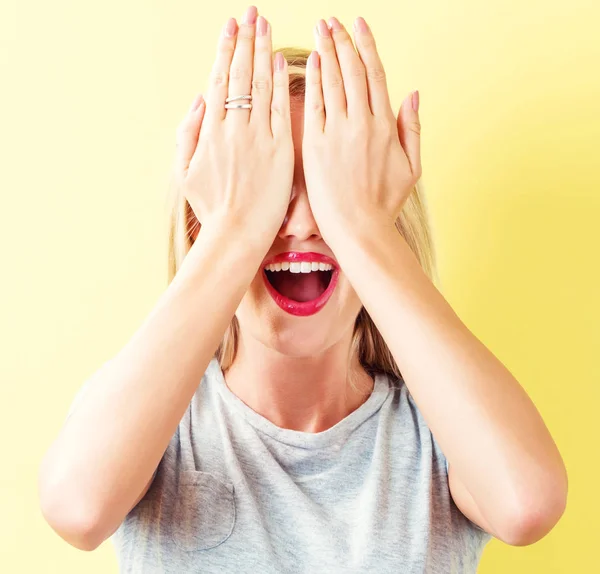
299	267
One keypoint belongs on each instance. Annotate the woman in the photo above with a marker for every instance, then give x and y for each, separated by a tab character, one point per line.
301	398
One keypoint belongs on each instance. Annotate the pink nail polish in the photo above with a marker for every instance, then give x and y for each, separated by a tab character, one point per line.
250	16
261	28
279	61
361	25
230	27
415	100
323	29
314	59
334	23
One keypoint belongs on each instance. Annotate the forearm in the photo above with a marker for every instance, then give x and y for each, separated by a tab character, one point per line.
115	438
484	421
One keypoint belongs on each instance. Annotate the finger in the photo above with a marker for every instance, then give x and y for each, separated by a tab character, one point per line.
314	110
281	122
262	76
352	68
187	135
219	75
379	98
240	74
331	76
409	131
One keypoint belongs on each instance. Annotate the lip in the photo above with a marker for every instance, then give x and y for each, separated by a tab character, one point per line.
299	308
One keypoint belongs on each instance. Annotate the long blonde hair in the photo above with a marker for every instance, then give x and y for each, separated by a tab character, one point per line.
413	224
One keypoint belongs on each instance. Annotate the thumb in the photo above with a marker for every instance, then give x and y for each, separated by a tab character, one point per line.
187	135
409	131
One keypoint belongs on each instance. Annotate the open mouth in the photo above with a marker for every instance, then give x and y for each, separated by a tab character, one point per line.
301	284
300	287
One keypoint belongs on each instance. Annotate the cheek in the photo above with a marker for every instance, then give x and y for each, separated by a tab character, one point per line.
348	304
255	300
347	292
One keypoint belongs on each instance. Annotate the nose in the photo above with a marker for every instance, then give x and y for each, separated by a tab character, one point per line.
299	222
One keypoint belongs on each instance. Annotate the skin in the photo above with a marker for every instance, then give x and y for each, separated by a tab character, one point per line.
356	164
293	370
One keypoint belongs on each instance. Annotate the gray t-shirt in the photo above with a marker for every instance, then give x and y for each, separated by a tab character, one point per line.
236	493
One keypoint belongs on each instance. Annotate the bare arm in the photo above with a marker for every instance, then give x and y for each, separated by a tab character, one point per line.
237	176
103	459
505	471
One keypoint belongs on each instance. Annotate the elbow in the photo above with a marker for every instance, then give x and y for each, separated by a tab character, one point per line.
535	518
72	521
74	527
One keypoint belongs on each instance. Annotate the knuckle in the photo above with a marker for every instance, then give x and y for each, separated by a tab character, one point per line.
239	72
415	126
376	73
385	131
359	138
342	37
388	129
368	41
279	81
327	46
245	33
226	47
314	80
317	106
360	127
335	81
182	129
261	83
277	109
218	78
261	47
357	70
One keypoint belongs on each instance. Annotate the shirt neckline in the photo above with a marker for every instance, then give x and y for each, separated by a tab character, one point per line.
335	434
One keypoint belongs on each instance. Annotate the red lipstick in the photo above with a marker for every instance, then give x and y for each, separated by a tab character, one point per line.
301	308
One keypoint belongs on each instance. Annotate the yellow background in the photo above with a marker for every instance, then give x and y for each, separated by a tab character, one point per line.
91	96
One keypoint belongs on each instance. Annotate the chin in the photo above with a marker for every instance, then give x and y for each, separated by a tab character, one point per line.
261	319
290	336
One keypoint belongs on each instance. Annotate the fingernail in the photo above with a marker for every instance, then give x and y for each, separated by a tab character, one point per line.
261	28
323	29
415	100
196	103
361	25
335	24
250	15
314	59
279	61
230	27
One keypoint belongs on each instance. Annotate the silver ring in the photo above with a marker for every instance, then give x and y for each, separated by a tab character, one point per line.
238	106
234	98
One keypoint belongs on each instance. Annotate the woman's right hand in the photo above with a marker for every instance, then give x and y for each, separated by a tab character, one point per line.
236	166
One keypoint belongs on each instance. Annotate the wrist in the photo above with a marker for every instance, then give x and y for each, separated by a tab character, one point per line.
232	240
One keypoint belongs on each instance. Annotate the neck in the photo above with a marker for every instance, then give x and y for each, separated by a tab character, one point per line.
305	393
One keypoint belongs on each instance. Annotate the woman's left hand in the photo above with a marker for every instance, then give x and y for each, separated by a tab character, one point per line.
360	161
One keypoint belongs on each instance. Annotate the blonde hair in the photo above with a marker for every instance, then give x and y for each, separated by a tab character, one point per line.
413	224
